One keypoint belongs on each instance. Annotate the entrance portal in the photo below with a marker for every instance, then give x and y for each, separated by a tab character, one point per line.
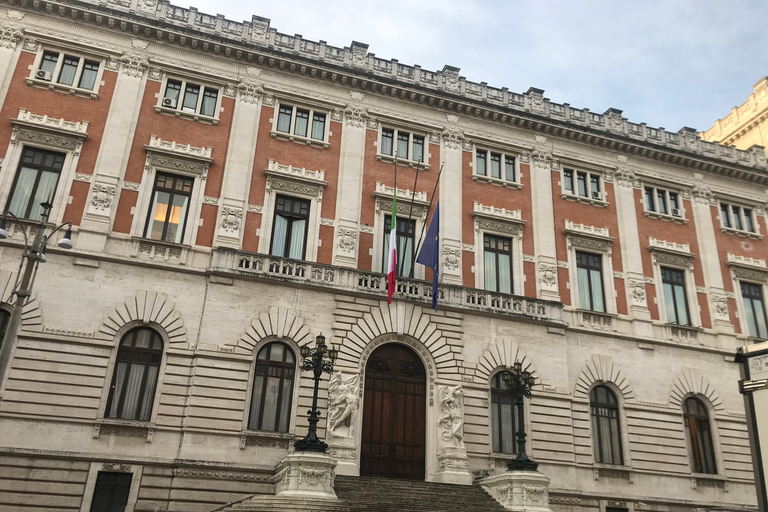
394	414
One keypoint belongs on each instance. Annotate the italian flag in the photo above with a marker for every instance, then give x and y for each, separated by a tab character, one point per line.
392	257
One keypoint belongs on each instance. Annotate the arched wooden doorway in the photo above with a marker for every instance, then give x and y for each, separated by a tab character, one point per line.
394	414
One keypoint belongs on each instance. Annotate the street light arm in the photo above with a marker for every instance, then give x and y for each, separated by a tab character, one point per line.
21	225
49	235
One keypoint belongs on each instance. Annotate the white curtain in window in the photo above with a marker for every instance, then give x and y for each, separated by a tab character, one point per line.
88	77
318	127
68	70
132	389
172	91
208	106
149	393
762	329
296	250
176	219
507	429
284	120
191	94
402	146
285	408
270	403
386	143
505	277
583	276
45	189
681	310
278	241
258	387
157	216
489	268
669	303
405	253
119	381
597	290
23	191
302	121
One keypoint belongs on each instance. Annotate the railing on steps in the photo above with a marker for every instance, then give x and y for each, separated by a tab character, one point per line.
226	261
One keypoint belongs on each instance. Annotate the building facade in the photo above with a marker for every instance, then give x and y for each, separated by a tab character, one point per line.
747	124
231	188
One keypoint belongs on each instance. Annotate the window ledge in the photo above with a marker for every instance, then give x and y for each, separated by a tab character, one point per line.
497	181
584	200
612	471
742	233
599	320
665	216
683	333
68	89
403	161
124	428
708	480
298	139
187	115
157	249
266	439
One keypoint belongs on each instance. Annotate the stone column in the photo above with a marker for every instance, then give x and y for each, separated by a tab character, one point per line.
452	460
451	219
350	184
702	202
114	150
625	183
10	36
543	221
239	166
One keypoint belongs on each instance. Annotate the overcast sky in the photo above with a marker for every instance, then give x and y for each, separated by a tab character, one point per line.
667	63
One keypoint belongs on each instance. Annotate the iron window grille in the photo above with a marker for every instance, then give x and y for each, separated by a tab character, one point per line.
699	437
272	388
289	229
134	379
675	297
405	240
302	122
589	270
497	263
190	98
408	145
606	432
111	492
503	418
167	219
35	182
754	307
499	166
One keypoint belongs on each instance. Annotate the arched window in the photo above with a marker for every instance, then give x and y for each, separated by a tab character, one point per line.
503	422
606	436
135	377
272	388
699	437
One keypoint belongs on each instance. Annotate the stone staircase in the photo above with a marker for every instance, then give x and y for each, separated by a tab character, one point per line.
374	494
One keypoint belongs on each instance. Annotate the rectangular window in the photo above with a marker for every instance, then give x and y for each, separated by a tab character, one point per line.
495	165
387	142
302	122
754	307
402	144
568	180
284	119
650	204
661	197
318	126
662	201
195	99
497	262
168	209
418	148
675	299
405	240
111	491
589	269
737	217
289	229
35	182
68	70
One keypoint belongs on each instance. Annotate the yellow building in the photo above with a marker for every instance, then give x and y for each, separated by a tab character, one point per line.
747	124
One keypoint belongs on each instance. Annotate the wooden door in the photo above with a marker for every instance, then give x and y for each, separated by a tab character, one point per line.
394	414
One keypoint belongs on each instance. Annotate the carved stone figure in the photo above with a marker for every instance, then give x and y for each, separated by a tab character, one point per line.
451	416
342	404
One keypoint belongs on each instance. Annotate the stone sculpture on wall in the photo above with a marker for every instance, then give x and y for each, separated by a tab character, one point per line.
342	404
451	416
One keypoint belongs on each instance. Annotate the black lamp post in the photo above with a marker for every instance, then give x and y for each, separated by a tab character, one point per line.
315	360
519	384
34	253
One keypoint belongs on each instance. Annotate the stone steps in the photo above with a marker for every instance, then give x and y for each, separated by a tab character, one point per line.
375	494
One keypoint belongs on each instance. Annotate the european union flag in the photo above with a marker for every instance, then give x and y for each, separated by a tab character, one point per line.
429	255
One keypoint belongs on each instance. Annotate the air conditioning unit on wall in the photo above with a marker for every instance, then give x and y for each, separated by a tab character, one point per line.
43	75
597	195
169	102
676	212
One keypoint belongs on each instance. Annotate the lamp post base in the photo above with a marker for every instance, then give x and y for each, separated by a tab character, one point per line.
305	474
310	445
519	491
525	464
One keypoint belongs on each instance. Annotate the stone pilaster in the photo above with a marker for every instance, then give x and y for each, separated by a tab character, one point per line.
451	193
543	221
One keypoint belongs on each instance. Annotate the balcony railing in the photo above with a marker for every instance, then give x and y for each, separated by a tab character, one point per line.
231	261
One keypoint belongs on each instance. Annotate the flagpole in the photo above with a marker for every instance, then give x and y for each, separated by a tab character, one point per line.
429	209
410	212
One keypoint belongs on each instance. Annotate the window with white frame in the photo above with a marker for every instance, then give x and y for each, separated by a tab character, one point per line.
403	144
35	183
405	239
64	68
289	229
675	296
583	184
303	122
662	201
190	98
754	309
169	207
737	218
495	165
589	271
497	263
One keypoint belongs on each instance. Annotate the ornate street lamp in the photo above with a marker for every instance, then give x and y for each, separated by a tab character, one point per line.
32	255
519	384
315	361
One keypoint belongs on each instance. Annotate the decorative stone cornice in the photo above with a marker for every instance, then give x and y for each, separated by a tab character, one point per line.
49	131
491	213
403	194
307	177
178	157
655	244
744	267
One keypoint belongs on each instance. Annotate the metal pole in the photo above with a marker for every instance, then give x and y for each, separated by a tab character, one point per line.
22	295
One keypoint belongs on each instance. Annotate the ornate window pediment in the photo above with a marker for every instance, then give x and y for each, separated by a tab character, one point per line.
671	253
384	196
586	237
498	219
49	132
179	158
752	269
295	180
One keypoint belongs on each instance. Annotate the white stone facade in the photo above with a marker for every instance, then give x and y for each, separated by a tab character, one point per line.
216	297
